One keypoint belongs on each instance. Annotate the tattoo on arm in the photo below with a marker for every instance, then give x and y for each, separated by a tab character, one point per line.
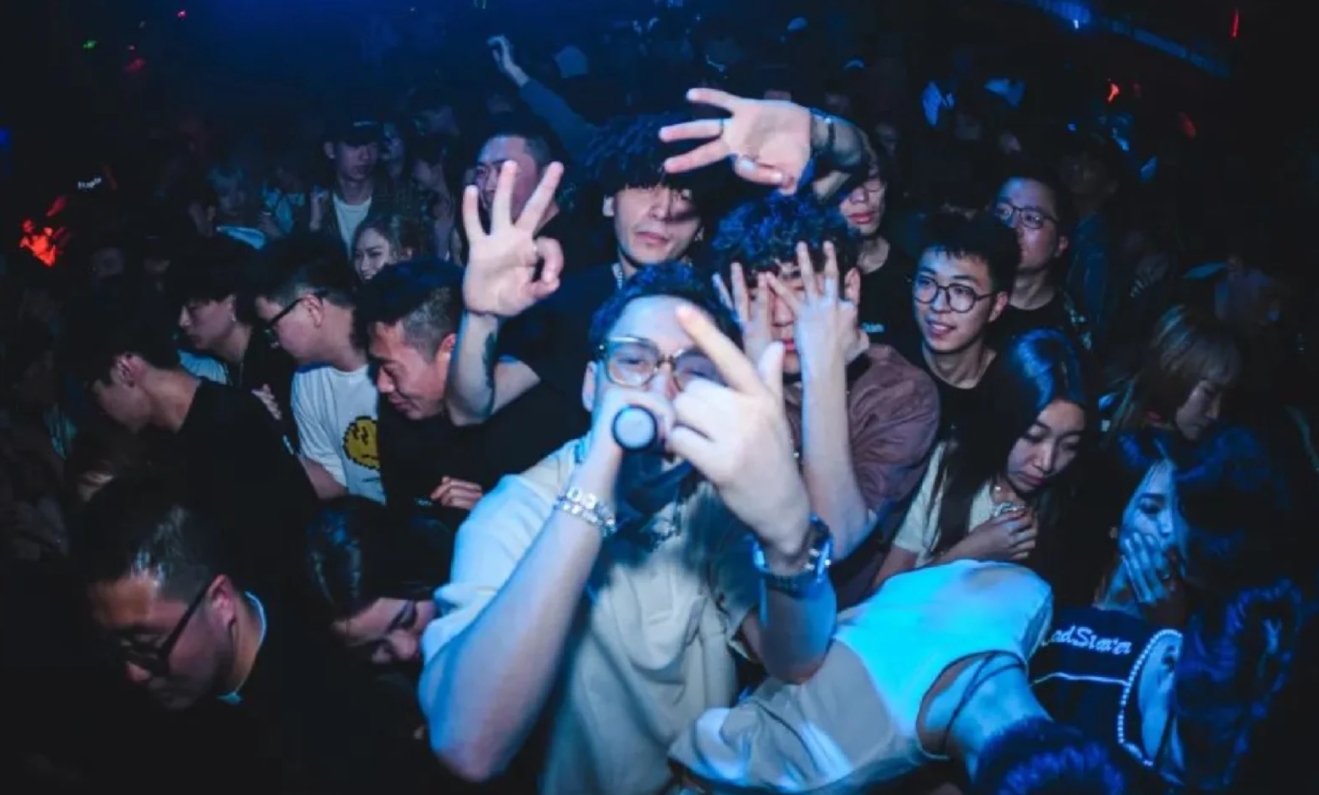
488	364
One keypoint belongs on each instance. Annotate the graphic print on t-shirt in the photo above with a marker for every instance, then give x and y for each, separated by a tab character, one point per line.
359	443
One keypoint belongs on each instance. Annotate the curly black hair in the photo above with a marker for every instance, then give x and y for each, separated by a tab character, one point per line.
761	234
627	153
670	279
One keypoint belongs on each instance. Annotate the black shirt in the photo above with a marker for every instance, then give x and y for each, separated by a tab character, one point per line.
237	468
321	722
1060	314
885	310
265	365
958	408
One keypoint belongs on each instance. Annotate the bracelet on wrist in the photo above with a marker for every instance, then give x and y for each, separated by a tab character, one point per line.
824	134
590	509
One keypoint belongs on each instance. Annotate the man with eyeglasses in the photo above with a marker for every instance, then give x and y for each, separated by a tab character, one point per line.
304	294
225	446
1035	207
960	291
863	418
602	594
187	632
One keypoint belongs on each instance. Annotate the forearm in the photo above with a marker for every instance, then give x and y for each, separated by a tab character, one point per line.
325	485
483	694
827	467
575	132
470	393
796	631
842	153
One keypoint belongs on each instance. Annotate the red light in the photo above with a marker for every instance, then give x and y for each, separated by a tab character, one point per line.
1236	22
1113	91
182	15
1188	125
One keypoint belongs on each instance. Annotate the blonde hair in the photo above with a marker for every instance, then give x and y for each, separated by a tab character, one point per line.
1188	345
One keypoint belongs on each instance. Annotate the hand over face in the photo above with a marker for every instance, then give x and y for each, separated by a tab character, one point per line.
737	435
827	332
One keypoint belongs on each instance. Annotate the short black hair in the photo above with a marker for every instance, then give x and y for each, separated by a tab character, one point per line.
761	234
627	153
1047	176
426	296
982	238
529	129
209	270
356	554
139	525
299	264
118	318
672	279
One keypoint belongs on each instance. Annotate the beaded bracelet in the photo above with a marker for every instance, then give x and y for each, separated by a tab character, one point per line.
590	509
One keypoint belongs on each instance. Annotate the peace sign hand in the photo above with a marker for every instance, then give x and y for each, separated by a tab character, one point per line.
827	333
769	140
751	305
736	434
501	277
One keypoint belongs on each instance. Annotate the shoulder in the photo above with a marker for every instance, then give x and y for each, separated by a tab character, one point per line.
891	378
521	502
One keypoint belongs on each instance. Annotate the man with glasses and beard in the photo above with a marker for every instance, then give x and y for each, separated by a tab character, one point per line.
189	634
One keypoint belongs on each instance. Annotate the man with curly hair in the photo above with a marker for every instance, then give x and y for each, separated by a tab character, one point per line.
863	417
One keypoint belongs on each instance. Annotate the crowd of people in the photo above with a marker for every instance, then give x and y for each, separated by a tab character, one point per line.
771	441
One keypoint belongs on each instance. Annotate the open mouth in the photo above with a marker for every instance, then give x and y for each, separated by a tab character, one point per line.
938	330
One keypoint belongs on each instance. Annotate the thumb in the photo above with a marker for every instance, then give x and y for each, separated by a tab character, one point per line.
770	368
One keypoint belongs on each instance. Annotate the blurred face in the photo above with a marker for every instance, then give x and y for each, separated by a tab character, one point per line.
1031	209
373	251
207	323
429	176
180	651
393	148
108	262
1153	509
439	120
782	317
354	162
1085	175
954	301
231	199
387	631
494	154
888	137
1047	448
653	225
864	206
1201	409
646	331
411	381
294	326
121	396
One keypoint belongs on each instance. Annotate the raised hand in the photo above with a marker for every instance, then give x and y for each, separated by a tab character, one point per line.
508	267
751	305
768	140
826	330
737	435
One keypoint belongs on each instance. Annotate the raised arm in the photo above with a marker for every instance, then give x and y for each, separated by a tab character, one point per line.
508	270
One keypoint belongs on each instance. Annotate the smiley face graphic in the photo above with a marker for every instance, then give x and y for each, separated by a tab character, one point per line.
359	443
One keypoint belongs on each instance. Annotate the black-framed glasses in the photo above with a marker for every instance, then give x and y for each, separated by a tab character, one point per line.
961	298
154	659
1031	217
633	362
271	327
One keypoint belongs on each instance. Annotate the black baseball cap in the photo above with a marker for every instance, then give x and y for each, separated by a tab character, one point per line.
354	130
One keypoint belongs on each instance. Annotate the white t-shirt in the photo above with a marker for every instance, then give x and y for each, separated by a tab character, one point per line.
336	416
653	648
203	366
350	216
920	529
853	724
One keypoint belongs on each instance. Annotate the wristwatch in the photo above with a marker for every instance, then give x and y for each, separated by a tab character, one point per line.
819	558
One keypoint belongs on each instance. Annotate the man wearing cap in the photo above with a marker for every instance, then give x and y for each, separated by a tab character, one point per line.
353	145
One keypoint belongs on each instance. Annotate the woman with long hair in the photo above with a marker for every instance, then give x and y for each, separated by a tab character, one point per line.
1192	361
997	490
382	240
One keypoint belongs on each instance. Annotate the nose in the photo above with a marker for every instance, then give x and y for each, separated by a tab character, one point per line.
183	319
661	206
1214	408
941	303
384	384
136	674
1046	459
